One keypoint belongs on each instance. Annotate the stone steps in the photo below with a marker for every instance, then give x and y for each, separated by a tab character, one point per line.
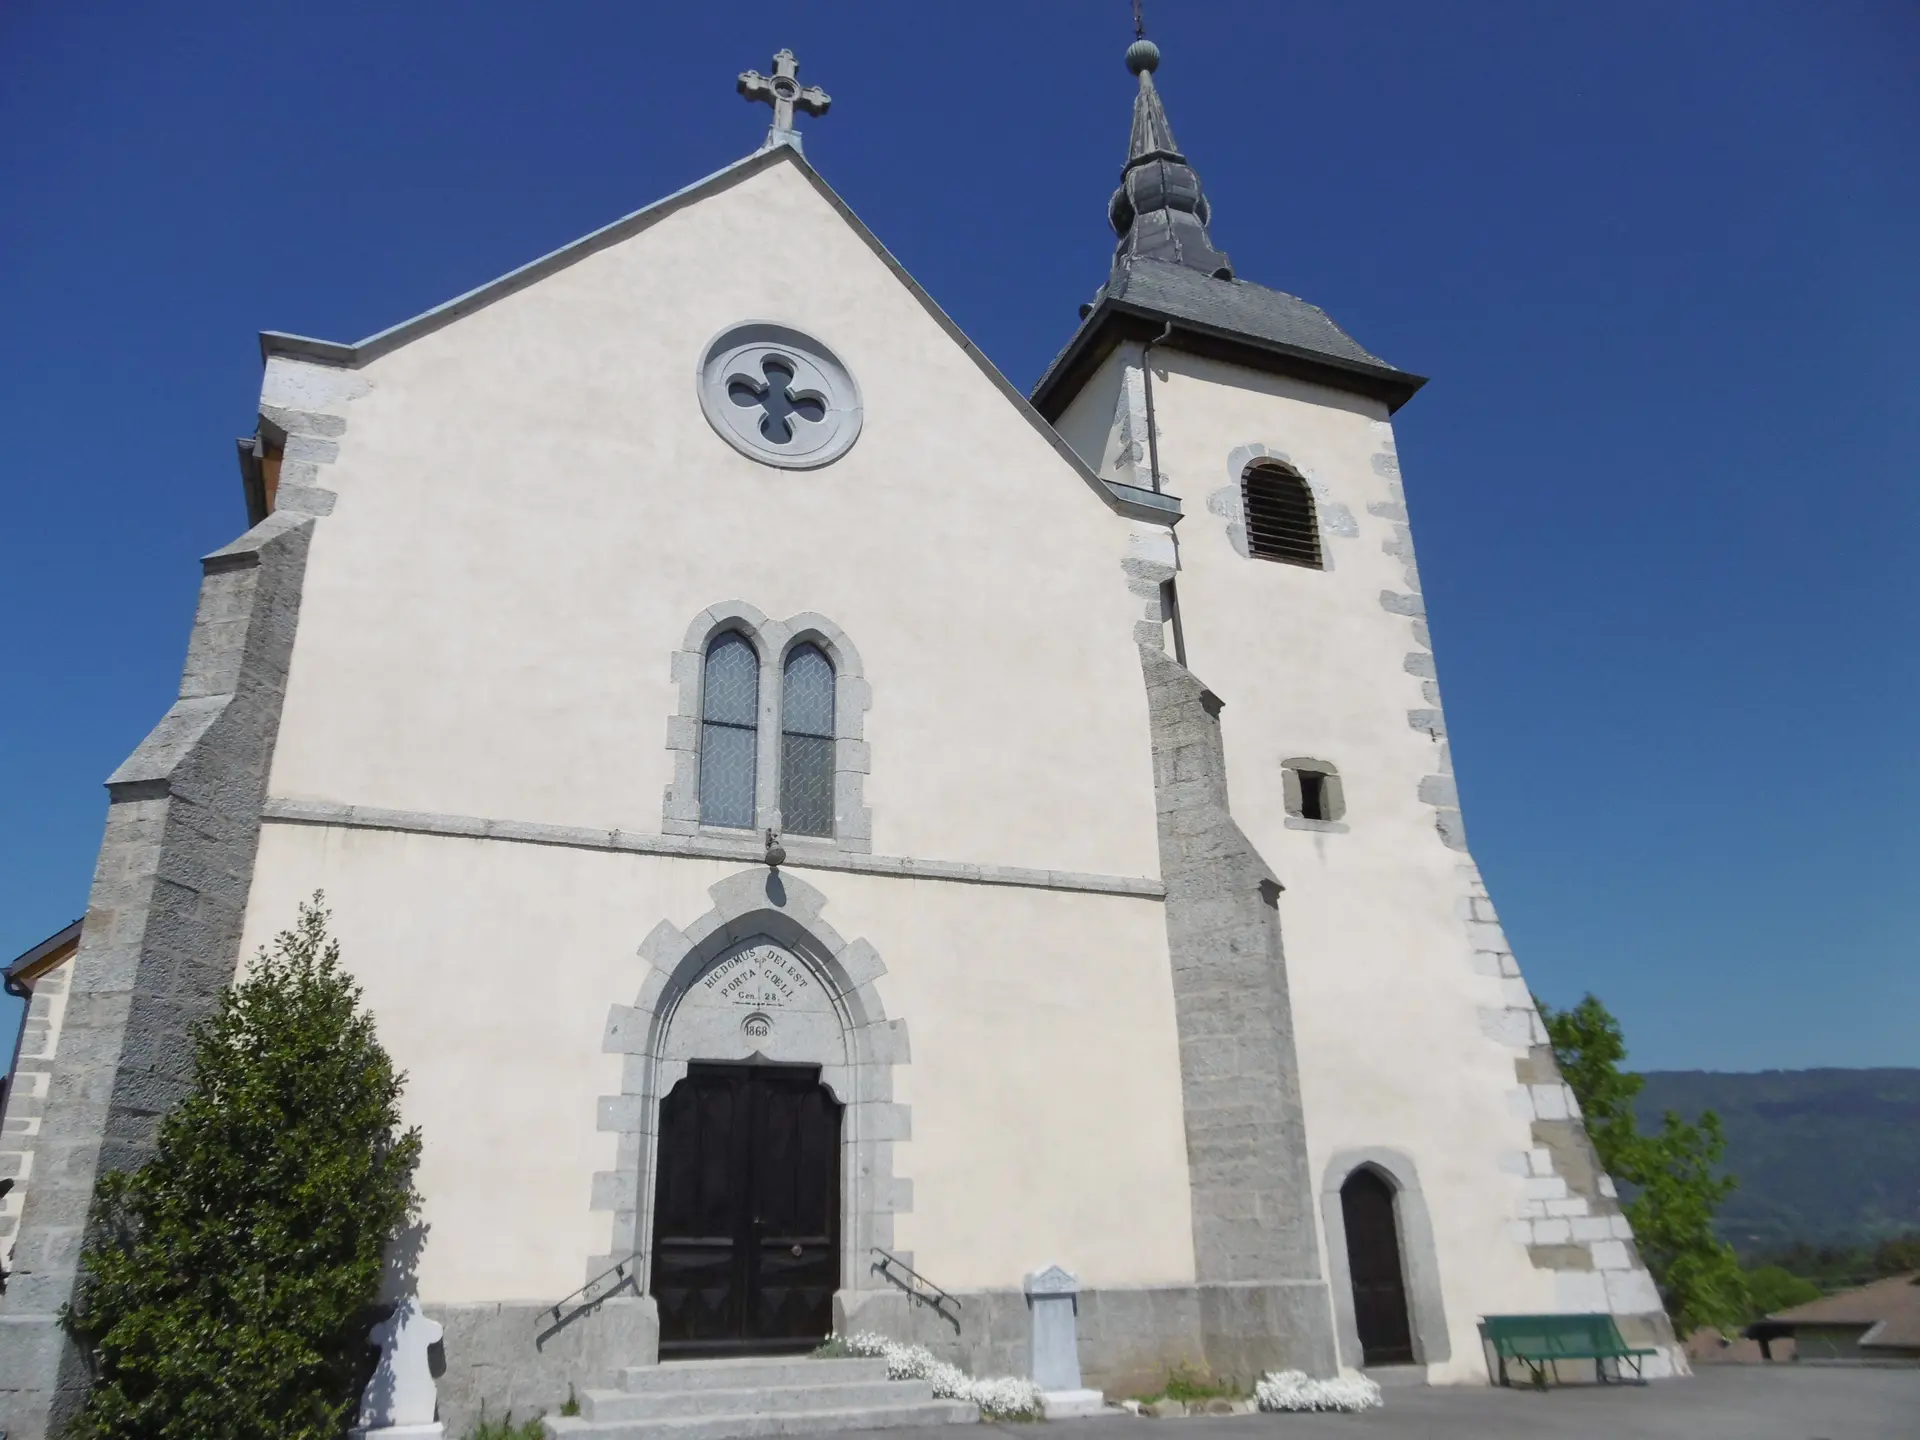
683	1375
752	1398
611	1405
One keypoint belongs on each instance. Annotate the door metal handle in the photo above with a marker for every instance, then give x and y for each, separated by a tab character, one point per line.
796	1252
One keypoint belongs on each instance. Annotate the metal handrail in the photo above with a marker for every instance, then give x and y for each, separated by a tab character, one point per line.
624	1272
889	1261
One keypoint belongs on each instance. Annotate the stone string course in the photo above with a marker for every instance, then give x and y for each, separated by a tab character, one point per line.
802	853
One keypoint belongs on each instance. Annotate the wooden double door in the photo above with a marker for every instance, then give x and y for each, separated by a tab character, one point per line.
746	1233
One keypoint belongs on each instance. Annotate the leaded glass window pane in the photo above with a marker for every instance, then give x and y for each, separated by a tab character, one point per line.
729	721
806	742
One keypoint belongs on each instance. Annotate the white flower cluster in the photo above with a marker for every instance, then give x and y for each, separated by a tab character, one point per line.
1004	1397
1295	1390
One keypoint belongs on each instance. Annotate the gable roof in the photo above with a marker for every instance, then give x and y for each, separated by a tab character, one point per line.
1227	319
25	969
1127	500
1890	1309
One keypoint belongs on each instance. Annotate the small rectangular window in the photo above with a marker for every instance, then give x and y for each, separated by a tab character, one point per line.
1313	795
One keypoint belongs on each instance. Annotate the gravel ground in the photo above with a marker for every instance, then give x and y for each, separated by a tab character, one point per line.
1727	1402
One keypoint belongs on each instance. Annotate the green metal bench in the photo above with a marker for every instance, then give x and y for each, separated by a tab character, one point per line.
1541	1341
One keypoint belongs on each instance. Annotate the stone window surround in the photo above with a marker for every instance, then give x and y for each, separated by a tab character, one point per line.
817	371
785	909
772	641
1334	520
1419	1261
1333	795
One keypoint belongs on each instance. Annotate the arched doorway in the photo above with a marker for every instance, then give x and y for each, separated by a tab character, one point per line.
761	982
1373	1262
746	1242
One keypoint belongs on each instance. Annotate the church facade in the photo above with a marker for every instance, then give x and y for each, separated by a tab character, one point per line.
829	836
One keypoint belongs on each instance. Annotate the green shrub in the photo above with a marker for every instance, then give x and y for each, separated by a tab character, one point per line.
505	1429
1191	1385
226	1288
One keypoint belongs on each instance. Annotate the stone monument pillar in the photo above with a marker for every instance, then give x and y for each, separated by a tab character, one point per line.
1053	1296
401	1398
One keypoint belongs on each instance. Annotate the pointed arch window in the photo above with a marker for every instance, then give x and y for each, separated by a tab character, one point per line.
806	742
729	731
1281	524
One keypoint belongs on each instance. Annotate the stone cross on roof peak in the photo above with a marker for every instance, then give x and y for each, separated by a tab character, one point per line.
782	90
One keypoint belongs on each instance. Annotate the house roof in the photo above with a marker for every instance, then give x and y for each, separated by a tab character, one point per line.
44	956
1126	499
1890	1308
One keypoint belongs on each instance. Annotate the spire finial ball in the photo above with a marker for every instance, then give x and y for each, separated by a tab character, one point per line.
1143	55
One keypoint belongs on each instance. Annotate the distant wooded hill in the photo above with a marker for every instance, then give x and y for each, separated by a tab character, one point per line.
1828	1157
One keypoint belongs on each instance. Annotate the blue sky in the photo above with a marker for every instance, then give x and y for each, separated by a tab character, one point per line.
1660	261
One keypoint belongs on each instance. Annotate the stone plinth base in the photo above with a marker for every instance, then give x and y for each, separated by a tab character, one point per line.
1129	1338
518	1357
1073	1404
435	1431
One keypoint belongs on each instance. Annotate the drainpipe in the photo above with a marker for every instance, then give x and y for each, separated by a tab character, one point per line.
1169	592
1153	436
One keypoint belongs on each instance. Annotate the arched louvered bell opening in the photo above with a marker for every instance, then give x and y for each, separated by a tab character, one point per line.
1281	524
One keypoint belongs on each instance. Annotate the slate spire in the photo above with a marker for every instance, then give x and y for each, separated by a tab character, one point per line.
1159	212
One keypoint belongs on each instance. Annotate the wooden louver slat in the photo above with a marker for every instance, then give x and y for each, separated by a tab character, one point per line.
1281	524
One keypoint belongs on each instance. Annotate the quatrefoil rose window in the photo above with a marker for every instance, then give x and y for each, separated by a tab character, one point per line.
778	396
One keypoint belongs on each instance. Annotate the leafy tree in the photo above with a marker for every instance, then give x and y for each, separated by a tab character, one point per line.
1841	1267
226	1294
1673	1177
1897	1255
1773	1288
1589	1046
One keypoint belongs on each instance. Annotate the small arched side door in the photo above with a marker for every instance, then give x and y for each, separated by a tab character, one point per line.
1373	1261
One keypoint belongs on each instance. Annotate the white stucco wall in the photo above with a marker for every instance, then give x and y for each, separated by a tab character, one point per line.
531	510
1043	1077
1387	1004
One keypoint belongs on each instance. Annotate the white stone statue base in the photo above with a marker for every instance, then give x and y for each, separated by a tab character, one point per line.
1073	1404
435	1431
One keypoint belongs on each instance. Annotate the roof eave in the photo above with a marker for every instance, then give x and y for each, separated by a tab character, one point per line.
1113	321
352	357
48	953
1125	500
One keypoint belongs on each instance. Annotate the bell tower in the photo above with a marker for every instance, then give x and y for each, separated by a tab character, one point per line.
1292	595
